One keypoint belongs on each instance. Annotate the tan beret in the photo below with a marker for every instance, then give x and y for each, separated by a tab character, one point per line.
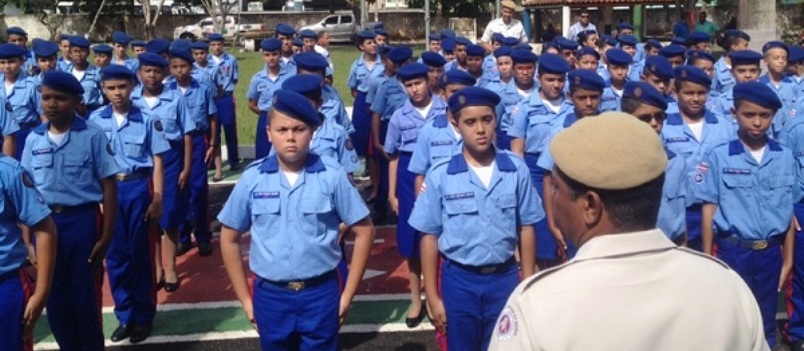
508	4
613	151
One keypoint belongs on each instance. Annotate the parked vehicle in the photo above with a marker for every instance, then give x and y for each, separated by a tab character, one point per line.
206	27
341	26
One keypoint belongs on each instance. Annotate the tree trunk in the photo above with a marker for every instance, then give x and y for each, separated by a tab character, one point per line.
95	20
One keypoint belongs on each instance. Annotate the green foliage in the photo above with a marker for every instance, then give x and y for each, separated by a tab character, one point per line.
455	8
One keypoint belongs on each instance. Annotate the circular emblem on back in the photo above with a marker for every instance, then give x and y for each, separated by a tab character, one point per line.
462	100
638	92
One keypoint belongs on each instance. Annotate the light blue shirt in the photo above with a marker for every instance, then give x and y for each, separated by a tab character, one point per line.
437	142
390	96
211	69
22	102
91	81
228	72
20	203
477	225
130	62
724	80
360	74
546	161
262	87
294	229
170	112
134	142
610	100
792	136
672	218
374	87
678	137
200	102
755	199
70	174
791	96
335	113
63	65
534	121
8	125
509	99
405	124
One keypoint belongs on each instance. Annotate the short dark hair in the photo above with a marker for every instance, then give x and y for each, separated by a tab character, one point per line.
631	209
629	104
739	102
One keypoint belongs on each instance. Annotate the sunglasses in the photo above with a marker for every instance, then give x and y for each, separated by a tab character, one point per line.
584	16
659	117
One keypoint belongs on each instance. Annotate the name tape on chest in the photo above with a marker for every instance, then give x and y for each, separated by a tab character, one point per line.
739	171
459	196
265	194
43	151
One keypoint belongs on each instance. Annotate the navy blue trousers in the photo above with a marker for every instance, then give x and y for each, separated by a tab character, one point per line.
228	125
198	222
15	288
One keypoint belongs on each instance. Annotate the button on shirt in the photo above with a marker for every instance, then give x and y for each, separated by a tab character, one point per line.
228	72
200	102
262	87
134	142
294	229
69	174
20	203
514	29
360	74
438	141
617	294
171	111
534	121
21	101
672	211
678	137
477	225
405	124
755	199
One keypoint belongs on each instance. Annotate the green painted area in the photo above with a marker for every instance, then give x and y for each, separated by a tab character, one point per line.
197	321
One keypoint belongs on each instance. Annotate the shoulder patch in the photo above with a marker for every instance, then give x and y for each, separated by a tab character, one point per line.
109	149
8	106
27	180
158	126
507	324
349	145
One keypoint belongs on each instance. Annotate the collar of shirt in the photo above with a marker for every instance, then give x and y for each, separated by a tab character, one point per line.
617	245
173	84
313	164
133	113
78	124
736	146
166	95
677	120
436	104
458	163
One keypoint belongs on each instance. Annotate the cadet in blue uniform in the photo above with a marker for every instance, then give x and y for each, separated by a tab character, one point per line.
435	64
651	48
137	146
519	89
533	120
202	63
701	41
567	49
504	68
658	72
618	67
366	68
648	104
158	102
474	210
706	62
733	40
64	62
261	91
588	58
748	186
785	87
87	74
461	43
692	132
586	88
46	53
73	166
229	75
103	55
19	95
120	41
138	47
285	32
745	67
293	203
403	130
448	50
474	62
674	53
18	36
314	63
201	107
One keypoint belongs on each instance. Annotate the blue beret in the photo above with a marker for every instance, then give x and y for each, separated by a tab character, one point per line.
672	50
63	82
201	45
434	37
645	93
566	44
523	46
9	50
587	51
796	54
45	48
271	44
774	45
182	44
381	31
298	42
121	38
102	49
457	76
432	59
16	30
678	41
64	37
699	37
625	25
308	34
583	34
366	34
553	64
523	56
472	96
116	72
745	57
182	54
698	54
619	57
627	39
557	38
285	29
510	41
737	33
384	49
304	84
611	41
296	106
498	37
138	43
215	37
379	25
447	33
152	59
757	93
692	74
502	51
448	44
412	71
586	79
157	46
549	45
463	41
659	66
475	50
310	61
80	42
400	54
653	43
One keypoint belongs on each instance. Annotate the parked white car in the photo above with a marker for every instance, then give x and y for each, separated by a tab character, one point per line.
341	26
206	27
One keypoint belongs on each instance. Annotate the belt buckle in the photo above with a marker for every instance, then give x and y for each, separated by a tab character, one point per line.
58	209
759	245
488	269
296	286
121	176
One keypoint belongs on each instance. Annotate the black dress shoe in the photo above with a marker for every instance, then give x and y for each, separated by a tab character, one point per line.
171	287
235	167
122	332
414	322
183	248
140	333
204	249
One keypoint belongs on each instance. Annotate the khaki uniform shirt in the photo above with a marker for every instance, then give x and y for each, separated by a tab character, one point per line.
634	291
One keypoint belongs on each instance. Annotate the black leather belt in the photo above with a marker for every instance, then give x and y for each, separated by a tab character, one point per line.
756	245
488	269
299	285
59	209
125	177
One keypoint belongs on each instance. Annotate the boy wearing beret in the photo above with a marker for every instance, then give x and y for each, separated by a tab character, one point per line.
20	97
228	76
776	54
292	203
473	211
87	74
748	187
261	91
619	66
517	90
120	43
745	67
733	40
